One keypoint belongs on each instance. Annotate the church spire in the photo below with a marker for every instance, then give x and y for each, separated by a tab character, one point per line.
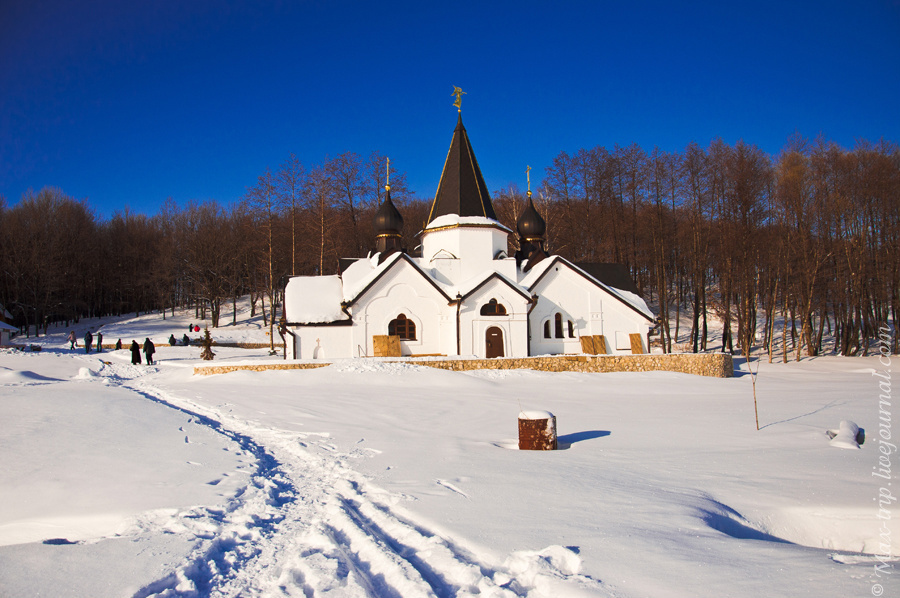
462	189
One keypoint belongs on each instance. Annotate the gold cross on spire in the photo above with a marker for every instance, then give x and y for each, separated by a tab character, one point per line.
387	185
528	176
458	92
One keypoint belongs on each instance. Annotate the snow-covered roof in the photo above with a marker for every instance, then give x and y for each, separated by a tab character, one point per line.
362	272
314	300
355	287
5	326
448	220
627	297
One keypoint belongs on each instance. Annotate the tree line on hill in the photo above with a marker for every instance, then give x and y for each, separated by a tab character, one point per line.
809	238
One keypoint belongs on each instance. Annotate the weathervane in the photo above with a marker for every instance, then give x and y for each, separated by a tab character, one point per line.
458	92
528	176
387	185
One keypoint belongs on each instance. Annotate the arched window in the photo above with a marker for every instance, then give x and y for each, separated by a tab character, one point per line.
492	308
571	329
547	329
402	327
559	327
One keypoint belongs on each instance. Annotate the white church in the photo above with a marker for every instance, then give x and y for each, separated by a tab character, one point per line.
464	296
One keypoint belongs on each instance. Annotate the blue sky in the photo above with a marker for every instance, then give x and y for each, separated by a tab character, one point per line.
128	103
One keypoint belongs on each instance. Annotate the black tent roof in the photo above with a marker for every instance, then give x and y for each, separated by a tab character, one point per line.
462	189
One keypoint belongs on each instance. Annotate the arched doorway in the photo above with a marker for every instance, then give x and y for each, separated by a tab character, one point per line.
493	342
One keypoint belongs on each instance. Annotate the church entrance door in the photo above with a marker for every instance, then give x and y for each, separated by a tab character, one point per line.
493	342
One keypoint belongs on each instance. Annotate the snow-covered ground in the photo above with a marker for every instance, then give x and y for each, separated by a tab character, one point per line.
368	478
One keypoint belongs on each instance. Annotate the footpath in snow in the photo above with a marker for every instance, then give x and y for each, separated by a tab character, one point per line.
390	480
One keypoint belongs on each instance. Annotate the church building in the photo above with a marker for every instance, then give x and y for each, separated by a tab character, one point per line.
464	296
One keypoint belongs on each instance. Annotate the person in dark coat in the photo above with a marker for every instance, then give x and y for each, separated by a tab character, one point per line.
135	353
119	345
186	340
172	341
88	339
99	342
149	350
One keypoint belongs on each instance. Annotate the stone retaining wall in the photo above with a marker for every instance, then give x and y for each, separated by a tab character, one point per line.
718	365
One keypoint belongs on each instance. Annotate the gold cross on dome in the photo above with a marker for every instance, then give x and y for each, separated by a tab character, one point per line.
458	92
528	176
387	184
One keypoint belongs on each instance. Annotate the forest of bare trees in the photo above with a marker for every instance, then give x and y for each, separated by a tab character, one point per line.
726	233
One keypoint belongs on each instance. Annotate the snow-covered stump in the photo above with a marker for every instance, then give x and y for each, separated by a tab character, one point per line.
537	431
846	436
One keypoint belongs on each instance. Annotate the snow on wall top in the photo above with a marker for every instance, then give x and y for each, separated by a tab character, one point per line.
314	299
457	220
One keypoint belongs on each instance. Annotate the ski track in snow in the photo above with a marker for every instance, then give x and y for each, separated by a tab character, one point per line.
308	525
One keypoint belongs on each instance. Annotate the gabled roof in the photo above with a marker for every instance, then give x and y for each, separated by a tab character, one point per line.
381	271
462	189
472	285
631	300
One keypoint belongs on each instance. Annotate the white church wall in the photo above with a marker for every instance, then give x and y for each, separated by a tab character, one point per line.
621	321
563	292
401	291
592	310
474	247
320	342
442	268
474	326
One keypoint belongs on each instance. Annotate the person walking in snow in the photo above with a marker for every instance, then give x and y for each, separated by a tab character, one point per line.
135	353
119	345
99	342
88	339
186	340
71	339
149	350
172	341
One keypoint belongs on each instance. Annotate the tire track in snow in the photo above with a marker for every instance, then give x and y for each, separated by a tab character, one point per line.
309	525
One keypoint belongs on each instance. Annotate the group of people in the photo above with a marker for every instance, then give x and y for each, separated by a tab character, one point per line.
88	341
148	348
185	340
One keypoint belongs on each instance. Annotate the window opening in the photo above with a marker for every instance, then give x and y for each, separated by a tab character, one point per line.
402	327
492	308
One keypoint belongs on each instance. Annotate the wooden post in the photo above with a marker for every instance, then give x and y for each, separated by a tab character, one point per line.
537	431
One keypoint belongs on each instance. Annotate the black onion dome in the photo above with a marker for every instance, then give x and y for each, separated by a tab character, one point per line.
530	225
388	220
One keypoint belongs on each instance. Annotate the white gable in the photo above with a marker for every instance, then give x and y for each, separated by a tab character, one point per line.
628	298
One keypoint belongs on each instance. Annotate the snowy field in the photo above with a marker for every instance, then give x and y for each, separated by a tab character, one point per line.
374	479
